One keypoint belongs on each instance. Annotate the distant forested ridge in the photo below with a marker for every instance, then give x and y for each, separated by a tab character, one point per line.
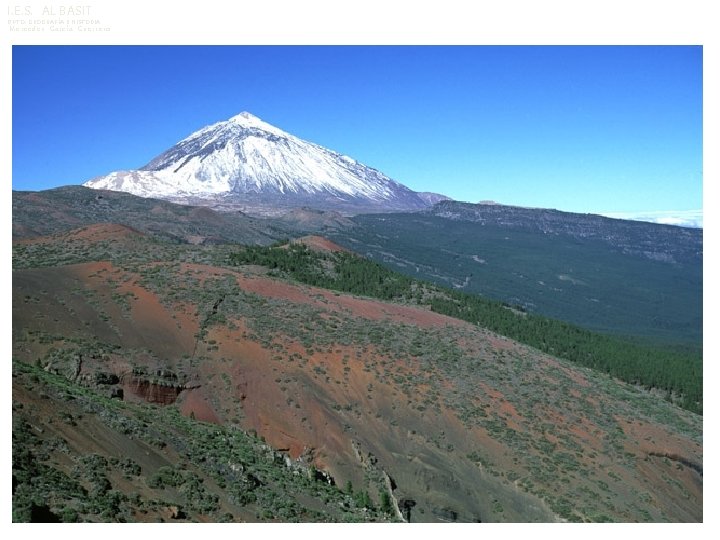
607	275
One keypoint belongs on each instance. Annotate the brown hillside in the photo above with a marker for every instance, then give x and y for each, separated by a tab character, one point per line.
92	233
460	424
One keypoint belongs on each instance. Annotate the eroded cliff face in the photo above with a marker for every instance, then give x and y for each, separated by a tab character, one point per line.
161	385
152	392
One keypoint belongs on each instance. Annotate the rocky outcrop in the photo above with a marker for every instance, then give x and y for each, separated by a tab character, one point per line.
301	465
446	514
406	506
697	467
391	486
105	378
162	387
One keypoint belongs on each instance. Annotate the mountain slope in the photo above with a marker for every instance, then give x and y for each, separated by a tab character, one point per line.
440	419
246	161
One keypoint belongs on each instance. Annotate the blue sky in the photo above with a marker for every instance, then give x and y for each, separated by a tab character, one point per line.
585	129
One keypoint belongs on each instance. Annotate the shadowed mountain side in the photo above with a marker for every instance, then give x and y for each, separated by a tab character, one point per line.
62	209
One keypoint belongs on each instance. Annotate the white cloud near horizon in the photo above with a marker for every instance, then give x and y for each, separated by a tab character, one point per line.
682	218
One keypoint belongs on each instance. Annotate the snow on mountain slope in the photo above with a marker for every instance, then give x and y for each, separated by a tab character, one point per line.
245	156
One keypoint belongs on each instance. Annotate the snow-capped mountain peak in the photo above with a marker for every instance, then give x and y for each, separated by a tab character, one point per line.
244	117
248	120
248	160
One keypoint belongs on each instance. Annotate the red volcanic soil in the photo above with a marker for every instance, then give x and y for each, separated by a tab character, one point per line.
151	324
103	231
320	243
651	439
82	300
359	307
92	233
376	310
194	402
